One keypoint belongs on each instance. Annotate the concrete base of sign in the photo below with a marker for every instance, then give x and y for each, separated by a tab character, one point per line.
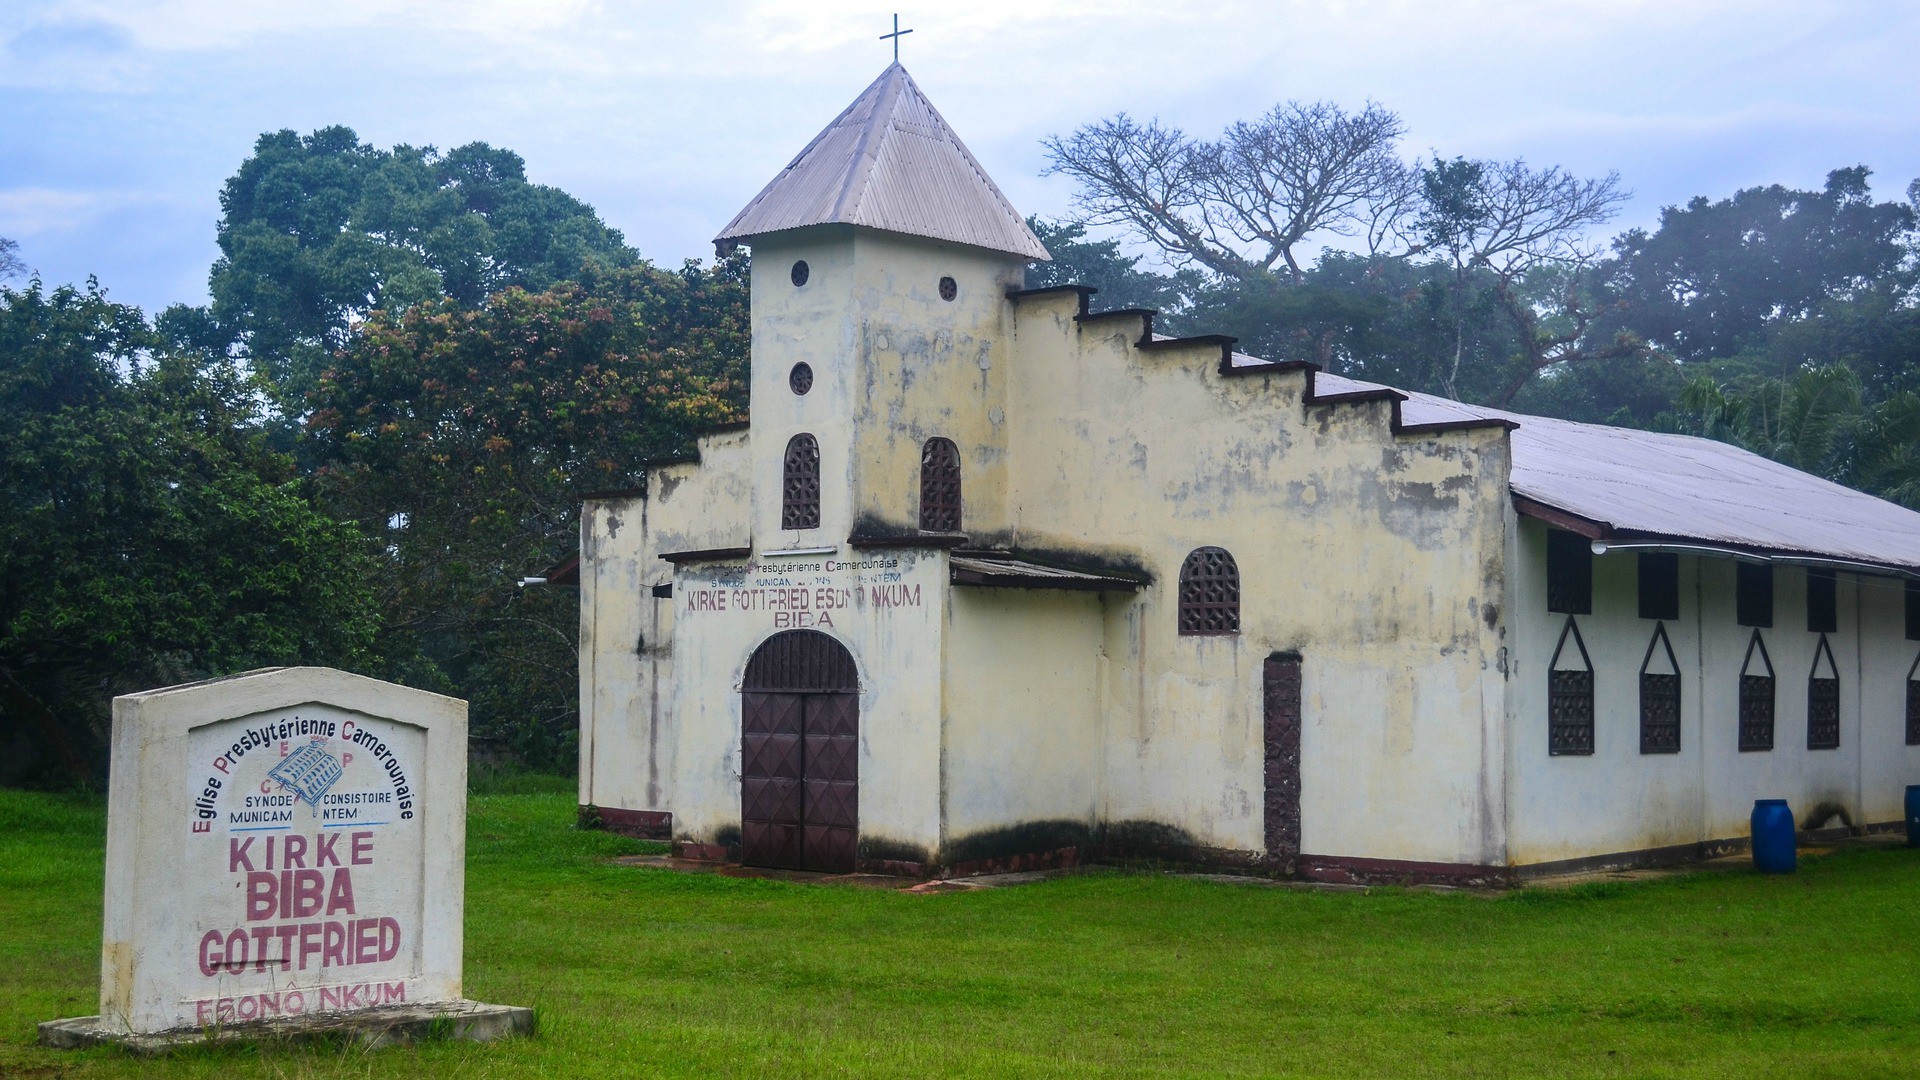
471	1020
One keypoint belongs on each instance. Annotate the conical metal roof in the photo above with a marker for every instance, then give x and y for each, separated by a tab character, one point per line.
889	162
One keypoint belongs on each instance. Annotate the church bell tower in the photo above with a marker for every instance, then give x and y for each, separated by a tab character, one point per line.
882	256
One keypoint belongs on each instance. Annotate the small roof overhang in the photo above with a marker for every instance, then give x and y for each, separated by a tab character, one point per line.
1001	570
565	572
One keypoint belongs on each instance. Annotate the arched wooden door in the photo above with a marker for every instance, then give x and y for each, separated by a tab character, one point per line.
799	754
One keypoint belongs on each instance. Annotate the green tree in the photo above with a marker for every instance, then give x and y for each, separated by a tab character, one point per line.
318	231
1815	419
1716	279
1100	264
148	535
1517	233
1341	315
465	438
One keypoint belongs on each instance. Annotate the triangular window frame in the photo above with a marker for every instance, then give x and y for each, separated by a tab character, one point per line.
1823	701
1570	710
1757	698
1659	698
1913	702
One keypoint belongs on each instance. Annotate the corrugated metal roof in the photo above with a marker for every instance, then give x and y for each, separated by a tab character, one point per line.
889	162
1004	571
1645	485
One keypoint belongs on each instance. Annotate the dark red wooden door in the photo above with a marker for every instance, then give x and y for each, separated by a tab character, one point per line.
799	755
1281	701
771	747
830	809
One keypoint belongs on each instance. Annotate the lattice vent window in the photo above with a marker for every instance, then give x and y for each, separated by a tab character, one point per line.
940	486
1209	593
1659	696
1913	703
800	494
1570	696
1756	697
1823	700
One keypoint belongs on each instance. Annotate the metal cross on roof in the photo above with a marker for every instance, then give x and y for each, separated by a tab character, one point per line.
897	32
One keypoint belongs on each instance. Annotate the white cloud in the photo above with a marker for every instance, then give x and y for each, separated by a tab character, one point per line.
29	212
667	115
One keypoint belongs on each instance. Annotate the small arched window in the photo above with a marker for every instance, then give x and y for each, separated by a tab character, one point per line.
800	489
940	486
1209	593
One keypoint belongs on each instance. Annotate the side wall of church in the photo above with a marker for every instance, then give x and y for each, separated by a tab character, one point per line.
1887	661
619	758
1378	556
1619	799
1021	760
627	734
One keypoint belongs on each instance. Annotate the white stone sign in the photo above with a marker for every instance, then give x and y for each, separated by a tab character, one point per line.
285	844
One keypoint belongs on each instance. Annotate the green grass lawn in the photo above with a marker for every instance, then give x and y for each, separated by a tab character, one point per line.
650	972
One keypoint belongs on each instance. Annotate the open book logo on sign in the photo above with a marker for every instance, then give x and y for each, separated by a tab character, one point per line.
307	772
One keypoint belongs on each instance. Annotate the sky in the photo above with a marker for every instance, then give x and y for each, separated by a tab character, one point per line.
123	118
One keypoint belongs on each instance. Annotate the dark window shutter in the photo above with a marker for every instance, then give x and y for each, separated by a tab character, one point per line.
1823	614
1209	593
1913	610
1569	573
800	490
1659	585
1753	598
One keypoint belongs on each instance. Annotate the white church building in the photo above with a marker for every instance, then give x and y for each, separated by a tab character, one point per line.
996	579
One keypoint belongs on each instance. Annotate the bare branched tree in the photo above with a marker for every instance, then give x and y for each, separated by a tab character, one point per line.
1522	217
10	265
1259	199
1247	202
1517	223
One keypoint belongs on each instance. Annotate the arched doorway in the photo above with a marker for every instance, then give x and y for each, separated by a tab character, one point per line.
799	754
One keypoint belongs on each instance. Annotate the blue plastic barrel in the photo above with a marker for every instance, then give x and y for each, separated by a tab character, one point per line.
1913	815
1773	851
